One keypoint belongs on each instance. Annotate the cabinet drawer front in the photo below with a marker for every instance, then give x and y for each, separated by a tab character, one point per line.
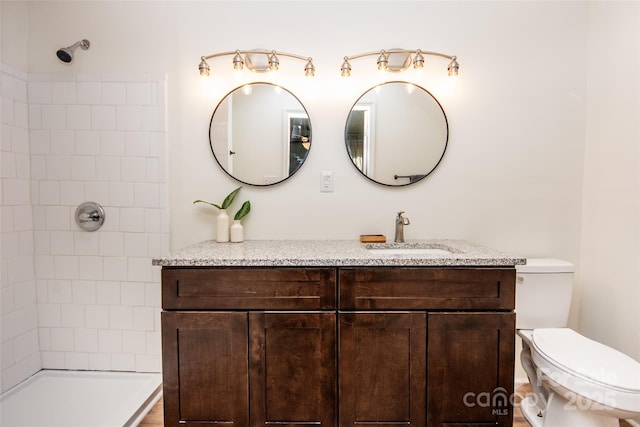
427	288
248	288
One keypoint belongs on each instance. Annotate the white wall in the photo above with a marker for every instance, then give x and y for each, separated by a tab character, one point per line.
512	177
609	275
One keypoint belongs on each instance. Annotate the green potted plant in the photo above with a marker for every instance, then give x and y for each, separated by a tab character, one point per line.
222	220
237	230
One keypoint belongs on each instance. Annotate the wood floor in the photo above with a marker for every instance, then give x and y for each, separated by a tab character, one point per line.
155	418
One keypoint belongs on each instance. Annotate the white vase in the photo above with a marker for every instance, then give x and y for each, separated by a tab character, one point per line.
237	231
222	226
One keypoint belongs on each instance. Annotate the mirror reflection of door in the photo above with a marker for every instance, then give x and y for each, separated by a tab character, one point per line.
401	139
252	135
360	138
299	140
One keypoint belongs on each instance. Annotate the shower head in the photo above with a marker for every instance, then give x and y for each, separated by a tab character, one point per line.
66	53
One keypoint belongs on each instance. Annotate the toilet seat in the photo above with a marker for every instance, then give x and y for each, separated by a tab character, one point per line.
600	373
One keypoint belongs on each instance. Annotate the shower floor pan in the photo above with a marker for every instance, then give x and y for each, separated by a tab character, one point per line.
53	398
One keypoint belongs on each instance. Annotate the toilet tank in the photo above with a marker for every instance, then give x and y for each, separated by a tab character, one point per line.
543	293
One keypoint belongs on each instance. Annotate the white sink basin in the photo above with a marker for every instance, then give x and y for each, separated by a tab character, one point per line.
409	251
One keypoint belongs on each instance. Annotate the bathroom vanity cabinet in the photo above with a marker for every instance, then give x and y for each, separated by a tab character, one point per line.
338	345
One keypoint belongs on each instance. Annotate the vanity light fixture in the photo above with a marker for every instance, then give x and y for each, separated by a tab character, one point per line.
255	61
387	60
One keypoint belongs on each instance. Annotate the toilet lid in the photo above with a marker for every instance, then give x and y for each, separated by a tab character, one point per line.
587	359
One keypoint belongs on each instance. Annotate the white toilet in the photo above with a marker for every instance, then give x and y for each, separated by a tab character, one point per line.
576	382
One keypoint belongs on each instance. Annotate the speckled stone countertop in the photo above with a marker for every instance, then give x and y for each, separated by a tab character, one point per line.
334	253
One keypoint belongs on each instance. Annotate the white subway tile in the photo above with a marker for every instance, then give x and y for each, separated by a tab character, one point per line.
132	293
108	292
152	220
90	267
86	340
6	354
154	171
62	339
58	217
96	316
23	166
72	192
42	296
39	92
66	267
129	117
76	361
109	341
123	362
83	168
25	295
114	93
83	291
63	93
89	92
6	106
59	292
139	269
136	244
35	117
121	194
137	143
132	219
52	360
154	343
61	243
49	315
20	114
87	244
72	316
120	317
39	141
98	191
108	168
6	301
100	362
111	244
148	363
147	195
23	218
44	339
44	266
20	139
26	344
62	142
54	116
133	169
79	117
103	117
88	142
49	192
8	161
115	268
139	93
38	167
143	318
134	342
5	137
112	143
16	192
59	167
20	269
153	294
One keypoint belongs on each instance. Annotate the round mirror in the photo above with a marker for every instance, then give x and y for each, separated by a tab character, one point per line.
396	133
260	134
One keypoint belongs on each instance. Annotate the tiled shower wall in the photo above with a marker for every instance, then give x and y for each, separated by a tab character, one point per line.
20	356
100	138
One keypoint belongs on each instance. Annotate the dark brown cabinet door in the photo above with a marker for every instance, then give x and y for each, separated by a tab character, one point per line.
205	369
382	369
293	369
470	369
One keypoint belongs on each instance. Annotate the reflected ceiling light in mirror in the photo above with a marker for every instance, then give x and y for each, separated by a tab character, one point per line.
256	60
397	60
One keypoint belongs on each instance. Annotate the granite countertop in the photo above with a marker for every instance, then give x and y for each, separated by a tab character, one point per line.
334	253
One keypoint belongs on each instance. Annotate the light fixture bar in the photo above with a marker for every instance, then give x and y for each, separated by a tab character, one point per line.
239	61
417	60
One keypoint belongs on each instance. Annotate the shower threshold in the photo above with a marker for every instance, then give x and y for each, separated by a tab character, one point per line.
52	398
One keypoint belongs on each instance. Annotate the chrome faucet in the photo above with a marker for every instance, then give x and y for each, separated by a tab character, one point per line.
400	223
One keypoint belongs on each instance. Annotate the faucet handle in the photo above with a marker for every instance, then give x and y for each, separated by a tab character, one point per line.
400	214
